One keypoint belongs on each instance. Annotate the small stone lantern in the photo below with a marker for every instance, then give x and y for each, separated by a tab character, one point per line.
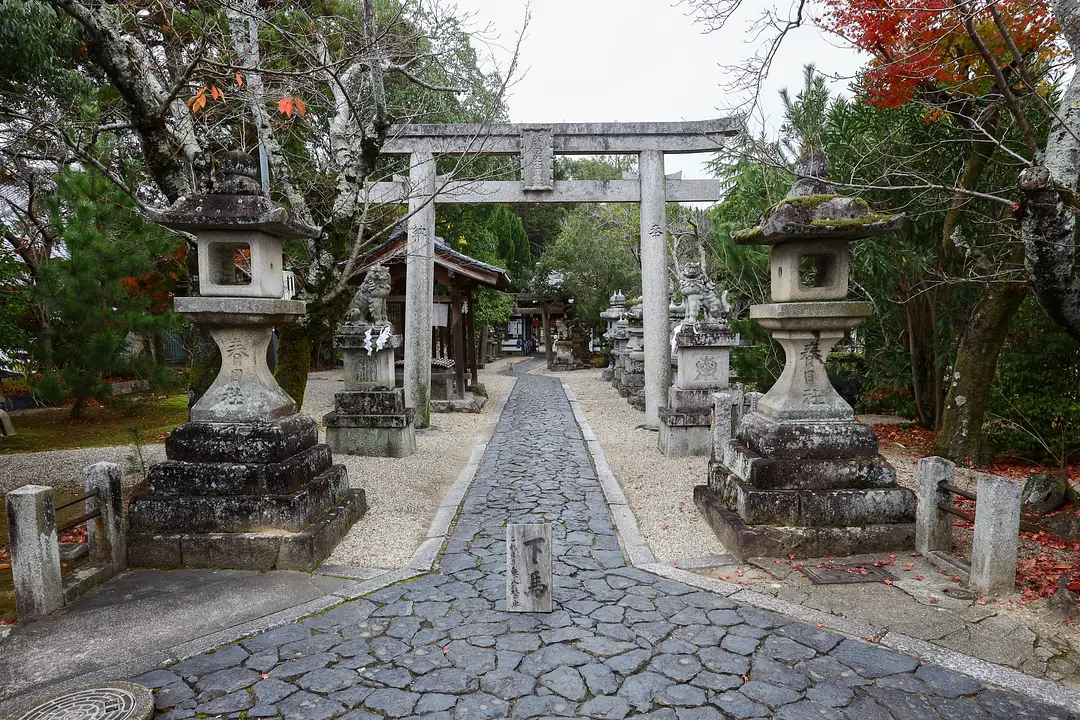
246	483
801	477
615	313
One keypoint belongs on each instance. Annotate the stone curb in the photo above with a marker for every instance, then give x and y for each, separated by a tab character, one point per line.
634	543
640	555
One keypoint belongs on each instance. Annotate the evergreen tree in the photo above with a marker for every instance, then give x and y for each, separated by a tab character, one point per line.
94	301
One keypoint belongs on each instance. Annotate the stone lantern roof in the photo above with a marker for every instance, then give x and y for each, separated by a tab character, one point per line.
813	211
231	200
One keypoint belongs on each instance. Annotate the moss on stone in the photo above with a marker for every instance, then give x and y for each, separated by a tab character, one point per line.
294	361
861	221
748	233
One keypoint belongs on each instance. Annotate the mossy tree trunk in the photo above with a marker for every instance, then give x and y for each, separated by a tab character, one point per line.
960	437
294	361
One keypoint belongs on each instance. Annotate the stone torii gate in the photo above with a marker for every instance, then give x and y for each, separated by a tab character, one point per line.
536	146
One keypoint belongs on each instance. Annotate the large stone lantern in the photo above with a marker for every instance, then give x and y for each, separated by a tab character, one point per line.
801	476
246	483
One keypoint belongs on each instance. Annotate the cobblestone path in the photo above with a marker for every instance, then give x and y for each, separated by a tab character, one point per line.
621	643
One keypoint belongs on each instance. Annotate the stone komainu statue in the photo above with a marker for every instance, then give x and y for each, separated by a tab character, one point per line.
716	306
368	306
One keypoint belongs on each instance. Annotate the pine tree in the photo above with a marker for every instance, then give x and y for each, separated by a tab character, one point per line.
91	292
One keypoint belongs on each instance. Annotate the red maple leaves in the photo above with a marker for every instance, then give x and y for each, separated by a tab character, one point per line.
924	44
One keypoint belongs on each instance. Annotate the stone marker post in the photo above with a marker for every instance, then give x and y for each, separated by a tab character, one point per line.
35	552
105	533
933	528
530	585
997	530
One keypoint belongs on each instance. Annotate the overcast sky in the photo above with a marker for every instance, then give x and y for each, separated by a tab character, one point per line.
638	60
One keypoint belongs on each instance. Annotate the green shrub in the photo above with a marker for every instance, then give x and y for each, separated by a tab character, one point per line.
49	390
1035	404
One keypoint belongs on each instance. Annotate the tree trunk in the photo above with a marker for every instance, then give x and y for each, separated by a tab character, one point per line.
77	408
960	436
294	361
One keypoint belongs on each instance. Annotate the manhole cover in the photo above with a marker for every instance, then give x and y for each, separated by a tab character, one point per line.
958	593
837	574
117	701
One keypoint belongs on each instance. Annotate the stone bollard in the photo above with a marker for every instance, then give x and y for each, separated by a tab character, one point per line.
997	531
35	551
105	533
933	528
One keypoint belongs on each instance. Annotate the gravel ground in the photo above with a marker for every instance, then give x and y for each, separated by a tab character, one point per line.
62	469
660	489
403	493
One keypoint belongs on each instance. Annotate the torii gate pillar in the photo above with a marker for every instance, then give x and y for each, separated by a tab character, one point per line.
654	283
420	285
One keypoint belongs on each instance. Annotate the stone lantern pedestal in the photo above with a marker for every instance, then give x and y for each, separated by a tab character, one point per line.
615	312
703	351
632	379
370	417
246	483
801	477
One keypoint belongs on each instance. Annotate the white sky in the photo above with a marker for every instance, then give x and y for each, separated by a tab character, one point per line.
639	60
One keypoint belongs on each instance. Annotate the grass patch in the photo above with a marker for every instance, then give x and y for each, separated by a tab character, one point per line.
103	425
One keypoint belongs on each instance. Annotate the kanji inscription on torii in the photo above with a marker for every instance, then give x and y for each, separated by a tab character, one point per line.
537	158
529	582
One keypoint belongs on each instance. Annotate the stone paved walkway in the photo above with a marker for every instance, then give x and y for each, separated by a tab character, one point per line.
622	642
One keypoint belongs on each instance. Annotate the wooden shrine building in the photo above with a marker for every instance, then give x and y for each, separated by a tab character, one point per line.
454	270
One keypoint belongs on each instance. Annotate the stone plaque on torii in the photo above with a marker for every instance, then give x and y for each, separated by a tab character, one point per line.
536	147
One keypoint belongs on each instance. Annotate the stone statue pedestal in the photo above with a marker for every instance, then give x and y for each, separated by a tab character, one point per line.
703	352
246	483
800	477
370	417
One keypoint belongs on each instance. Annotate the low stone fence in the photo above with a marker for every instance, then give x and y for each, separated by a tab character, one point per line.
992	567
40	586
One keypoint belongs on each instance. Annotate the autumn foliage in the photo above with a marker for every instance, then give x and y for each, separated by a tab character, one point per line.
923	44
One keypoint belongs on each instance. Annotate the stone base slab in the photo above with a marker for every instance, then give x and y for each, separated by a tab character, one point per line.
814	508
303	550
815	440
178	477
806	474
372	441
685	418
371	402
266	442
201	513
746	541
685	441
337	419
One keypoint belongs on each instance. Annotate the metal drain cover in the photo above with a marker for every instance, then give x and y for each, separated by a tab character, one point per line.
853	573
958	593
115	701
